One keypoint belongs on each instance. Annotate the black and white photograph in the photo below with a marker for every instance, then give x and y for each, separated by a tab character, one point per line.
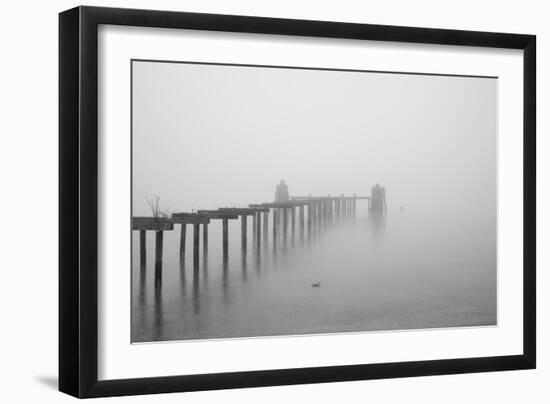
272	201
266	202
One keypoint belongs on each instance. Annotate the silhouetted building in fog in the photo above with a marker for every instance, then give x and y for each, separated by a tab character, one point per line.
281	192
378	200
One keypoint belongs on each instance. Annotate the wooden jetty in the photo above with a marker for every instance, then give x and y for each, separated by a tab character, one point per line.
302	214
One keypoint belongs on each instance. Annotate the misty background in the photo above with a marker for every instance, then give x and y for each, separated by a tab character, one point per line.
206	136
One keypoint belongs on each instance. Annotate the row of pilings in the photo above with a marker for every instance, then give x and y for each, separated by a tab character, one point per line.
294	218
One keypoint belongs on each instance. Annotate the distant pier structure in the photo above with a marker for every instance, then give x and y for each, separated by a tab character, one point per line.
291	216
377	203
281	192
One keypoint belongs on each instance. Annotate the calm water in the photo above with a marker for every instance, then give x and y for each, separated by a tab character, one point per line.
404	272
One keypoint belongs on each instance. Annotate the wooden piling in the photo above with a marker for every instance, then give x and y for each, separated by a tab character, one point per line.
345	209
258	217
205	239
142	249
158	258
265	227
243	233
275	220
301	220
309	218
293	219
254	226
182	241
317	216
312	208
313	217
285	222
321	215
196	245
225	237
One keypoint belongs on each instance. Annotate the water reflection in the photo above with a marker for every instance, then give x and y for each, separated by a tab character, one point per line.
158	317
205	272
258	261
244	269
377	223
225	283
142	281
182	274
363	284
196	292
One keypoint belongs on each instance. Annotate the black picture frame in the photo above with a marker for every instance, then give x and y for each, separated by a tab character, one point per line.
78	201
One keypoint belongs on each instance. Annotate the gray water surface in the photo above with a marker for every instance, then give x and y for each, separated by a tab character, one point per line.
402	272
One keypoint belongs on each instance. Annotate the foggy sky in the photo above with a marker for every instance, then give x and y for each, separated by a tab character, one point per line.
211	136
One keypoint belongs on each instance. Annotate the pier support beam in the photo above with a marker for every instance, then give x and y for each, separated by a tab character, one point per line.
142	249
317	216
265	227
345	209
205	240
158	258
258	218
254	227
243	233
301	220
275	222
285	222
225	239
309	218
182	241
313	217
293	219
196	246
